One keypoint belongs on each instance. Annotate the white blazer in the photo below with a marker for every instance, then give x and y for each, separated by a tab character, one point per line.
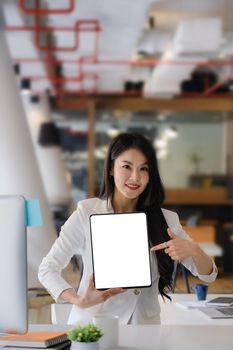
132	306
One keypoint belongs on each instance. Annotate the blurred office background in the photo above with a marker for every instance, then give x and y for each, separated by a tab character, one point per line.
74	74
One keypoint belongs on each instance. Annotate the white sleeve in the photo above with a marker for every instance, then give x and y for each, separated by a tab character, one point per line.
70	241
188	262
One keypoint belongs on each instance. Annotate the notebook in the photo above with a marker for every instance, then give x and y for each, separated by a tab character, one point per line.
34	339
217	313
120	250
61	346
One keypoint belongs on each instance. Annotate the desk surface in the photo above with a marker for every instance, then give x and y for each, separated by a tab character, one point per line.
148	337
174	315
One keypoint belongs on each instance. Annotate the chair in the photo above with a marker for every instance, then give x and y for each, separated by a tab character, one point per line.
185	272
205	237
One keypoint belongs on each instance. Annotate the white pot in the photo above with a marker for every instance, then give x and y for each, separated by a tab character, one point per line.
76	345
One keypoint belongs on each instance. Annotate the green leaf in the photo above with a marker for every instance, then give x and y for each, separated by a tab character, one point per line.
85	333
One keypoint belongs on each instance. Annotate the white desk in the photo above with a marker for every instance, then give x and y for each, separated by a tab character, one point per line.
174	315
170	313
151	337
176	337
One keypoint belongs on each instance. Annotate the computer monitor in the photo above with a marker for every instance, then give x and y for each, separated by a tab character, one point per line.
13	265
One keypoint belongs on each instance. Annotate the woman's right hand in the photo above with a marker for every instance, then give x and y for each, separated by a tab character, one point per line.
91	296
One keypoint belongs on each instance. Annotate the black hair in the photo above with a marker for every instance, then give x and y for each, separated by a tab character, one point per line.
149	201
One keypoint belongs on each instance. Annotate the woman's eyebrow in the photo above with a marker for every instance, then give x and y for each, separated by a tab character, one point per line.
128	162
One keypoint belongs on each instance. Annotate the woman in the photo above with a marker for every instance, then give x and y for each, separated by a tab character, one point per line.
131	182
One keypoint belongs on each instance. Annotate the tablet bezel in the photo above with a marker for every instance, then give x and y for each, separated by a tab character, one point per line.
148	252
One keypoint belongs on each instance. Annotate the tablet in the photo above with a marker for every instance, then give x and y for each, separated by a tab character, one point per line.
120	250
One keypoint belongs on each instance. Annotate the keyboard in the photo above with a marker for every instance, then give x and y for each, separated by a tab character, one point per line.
228	311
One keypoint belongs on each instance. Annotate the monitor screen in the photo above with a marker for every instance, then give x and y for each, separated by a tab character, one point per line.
13	265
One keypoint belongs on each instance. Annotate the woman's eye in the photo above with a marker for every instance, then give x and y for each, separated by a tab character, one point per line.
144	169
126	166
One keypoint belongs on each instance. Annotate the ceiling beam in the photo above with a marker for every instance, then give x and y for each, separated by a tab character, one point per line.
145	104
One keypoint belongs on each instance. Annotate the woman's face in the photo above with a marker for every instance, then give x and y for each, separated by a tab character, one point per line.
131	173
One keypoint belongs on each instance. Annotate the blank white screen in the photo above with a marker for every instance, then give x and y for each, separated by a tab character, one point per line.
120	250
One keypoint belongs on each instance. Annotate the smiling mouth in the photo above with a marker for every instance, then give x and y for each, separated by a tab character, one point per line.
133	187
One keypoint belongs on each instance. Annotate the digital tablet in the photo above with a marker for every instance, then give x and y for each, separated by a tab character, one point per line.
120	250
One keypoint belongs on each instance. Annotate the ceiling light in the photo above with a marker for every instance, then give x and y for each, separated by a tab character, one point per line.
161	117
160	143
170	133
113	132
162	154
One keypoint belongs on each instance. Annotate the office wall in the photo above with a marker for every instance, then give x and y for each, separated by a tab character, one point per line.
206	141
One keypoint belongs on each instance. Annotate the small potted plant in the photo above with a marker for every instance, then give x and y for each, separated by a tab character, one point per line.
85	337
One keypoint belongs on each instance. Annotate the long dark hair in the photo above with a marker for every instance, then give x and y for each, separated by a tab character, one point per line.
149	201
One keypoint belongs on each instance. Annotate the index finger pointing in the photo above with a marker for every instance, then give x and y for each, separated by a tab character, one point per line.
171	233
159	247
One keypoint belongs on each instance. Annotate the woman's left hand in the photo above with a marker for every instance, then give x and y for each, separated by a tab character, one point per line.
177	248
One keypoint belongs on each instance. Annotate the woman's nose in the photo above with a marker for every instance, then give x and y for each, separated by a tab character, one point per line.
135	175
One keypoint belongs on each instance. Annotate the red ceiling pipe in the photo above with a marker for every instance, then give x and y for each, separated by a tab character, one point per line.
88	60
82	92
43	11
89	76
212	88
119	93
50	68
81	75
80	26
155	62
61	80
93	60
97	61
50	28
115	93
54	79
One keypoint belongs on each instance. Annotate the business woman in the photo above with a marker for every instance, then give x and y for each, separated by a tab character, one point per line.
131	182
